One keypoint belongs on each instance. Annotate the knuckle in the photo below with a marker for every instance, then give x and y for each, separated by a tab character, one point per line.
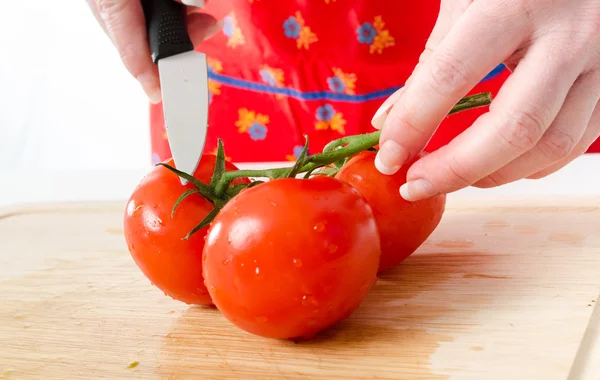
403	122
488	182
108	8
447	74
523	129
457	174
557	144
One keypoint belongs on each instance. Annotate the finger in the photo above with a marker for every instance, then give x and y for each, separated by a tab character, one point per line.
194	3
450	11
125	25
96	13
472	48
522	111
559	140
589	137
201	26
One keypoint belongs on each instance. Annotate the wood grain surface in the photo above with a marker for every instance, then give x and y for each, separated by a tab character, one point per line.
504	289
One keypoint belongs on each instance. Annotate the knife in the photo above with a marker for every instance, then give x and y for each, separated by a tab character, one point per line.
183	76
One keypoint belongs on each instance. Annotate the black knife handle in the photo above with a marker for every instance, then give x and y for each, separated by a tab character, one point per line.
166	27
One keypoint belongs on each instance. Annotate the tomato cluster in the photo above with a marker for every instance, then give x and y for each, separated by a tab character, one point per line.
288	257
284	259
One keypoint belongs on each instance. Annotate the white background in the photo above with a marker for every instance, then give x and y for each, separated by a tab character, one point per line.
74	123
66	101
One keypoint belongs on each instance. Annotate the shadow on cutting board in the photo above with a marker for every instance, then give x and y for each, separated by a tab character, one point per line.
410	311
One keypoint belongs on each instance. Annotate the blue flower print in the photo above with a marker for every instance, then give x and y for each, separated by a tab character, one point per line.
366	33
257	131
336	84
155	158
325	113
298	151
228	26
291	27
268	77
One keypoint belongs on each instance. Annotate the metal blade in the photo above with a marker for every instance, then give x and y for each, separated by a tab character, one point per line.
184	86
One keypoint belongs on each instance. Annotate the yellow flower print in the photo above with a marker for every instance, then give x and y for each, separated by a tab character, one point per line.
375	35
329	118
295	28
214	87
273	77
342	82
233	31
253	123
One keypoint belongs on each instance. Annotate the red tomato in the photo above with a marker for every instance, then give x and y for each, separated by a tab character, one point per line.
290	257
403	226
155	239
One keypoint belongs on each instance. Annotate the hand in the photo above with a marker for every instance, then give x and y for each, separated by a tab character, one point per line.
123	21
545	115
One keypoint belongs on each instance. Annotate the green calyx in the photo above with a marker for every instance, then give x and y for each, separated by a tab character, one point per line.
220	189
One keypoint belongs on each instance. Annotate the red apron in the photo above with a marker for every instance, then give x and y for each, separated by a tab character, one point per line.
283	69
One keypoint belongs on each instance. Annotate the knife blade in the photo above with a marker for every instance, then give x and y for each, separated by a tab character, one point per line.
183	76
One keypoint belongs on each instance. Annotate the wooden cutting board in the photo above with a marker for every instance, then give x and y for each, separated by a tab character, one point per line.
504	289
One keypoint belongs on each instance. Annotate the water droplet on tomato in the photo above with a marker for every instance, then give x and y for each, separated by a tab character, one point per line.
332	248
225	262
154	205
319	227
262	319
308	300
257	271
213	289
297	263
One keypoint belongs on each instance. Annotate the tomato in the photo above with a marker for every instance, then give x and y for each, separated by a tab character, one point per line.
290	257
403	226
155	239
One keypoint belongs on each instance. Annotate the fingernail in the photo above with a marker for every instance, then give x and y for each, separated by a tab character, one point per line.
194	3
151	87
390	157
379	117
416	190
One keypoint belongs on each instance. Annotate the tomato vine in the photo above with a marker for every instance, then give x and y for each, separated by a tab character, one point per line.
219	191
